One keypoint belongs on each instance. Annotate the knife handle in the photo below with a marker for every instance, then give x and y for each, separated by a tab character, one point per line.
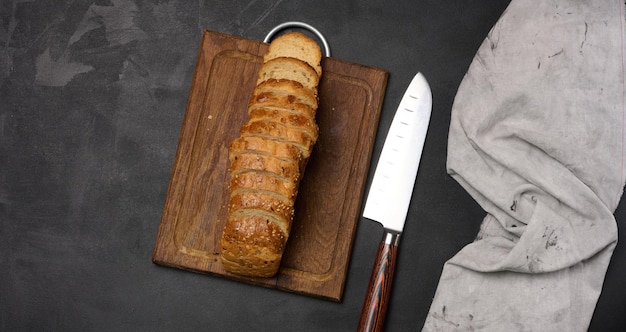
379	289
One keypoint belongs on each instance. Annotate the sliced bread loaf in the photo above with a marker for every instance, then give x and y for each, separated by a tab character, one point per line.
269	157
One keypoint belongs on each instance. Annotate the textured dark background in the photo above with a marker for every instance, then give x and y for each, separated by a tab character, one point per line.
92	96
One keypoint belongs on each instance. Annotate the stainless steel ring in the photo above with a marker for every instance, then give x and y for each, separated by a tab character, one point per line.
309	27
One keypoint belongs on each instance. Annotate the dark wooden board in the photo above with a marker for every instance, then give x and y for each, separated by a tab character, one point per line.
329	201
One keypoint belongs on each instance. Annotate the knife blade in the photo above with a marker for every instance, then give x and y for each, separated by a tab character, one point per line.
390	193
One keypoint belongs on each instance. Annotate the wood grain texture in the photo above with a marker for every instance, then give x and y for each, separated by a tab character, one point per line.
374	309
327	209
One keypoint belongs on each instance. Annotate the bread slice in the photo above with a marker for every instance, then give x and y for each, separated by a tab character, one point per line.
283	93
280	132
272	101
256	201
288	118
283	68
265	146
250	161
264	182
296	45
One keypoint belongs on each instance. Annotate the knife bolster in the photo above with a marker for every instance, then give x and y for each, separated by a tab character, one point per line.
391	237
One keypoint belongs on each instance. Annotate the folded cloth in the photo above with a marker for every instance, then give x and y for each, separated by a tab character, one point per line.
537	138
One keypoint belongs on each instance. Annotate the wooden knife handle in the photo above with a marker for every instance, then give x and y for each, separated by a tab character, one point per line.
379	289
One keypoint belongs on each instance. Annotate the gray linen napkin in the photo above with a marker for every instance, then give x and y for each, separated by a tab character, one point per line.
537	138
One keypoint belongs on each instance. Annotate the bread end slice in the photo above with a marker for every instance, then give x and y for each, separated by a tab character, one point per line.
252	246
296	45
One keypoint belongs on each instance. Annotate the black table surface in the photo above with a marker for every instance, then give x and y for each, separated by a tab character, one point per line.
92	97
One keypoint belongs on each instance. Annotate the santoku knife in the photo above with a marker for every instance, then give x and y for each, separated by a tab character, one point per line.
390	193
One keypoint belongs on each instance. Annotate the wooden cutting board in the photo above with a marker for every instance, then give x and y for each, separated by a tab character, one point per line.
329	201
